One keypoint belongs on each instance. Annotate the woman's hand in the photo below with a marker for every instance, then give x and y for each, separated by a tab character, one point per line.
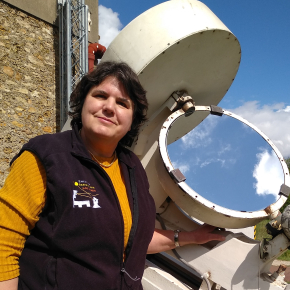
201	235
163	240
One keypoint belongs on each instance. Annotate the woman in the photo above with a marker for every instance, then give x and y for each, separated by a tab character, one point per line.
82	199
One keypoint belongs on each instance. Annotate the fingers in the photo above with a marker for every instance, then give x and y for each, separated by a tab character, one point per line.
212	228
206	235
217	237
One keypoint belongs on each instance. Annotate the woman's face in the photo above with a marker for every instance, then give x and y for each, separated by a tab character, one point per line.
107	112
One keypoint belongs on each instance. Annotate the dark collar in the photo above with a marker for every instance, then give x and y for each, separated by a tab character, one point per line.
78	148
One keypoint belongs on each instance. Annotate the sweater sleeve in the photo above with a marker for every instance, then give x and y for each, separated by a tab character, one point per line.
22	198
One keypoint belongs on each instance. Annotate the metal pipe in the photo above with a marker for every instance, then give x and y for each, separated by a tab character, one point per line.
68	53
95	50
86	40
60	34
82	32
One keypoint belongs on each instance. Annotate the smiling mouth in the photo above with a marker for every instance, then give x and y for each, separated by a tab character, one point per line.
107	120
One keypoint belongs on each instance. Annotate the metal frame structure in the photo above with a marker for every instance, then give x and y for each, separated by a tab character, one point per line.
73	49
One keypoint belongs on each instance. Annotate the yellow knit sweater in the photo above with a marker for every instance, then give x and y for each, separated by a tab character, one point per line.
22	198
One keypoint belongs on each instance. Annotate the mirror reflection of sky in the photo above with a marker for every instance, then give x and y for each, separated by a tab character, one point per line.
229	164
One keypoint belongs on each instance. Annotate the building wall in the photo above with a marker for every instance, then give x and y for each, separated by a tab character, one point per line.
29	81
29	72
47	10
42	9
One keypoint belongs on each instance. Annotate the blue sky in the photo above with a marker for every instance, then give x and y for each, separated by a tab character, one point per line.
260	93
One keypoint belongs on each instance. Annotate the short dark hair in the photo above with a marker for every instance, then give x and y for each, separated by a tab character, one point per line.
132	87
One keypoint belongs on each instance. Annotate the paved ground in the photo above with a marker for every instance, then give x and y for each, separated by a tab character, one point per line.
279	262
275	266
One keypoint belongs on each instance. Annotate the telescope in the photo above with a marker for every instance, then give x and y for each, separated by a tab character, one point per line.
186	60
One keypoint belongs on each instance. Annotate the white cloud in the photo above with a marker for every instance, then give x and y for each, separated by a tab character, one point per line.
225	148
272	120
212	160
200	136
268	174
287	109
181	166
109	25
226	163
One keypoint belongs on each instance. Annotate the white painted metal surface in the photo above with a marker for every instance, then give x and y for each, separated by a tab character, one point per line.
179	44
193	203
234	263
156	279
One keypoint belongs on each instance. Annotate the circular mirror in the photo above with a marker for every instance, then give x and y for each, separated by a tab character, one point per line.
227	162
192	202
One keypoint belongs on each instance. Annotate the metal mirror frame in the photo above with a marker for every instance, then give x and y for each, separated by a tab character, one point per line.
193	204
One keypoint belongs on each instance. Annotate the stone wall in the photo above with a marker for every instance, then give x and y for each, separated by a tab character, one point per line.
29	80
47	11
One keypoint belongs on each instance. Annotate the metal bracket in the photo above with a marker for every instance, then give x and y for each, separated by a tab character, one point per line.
177	175
272	230
215	110
184	102
284	190
263	252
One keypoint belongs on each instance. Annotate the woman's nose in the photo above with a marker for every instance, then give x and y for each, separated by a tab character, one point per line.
109	105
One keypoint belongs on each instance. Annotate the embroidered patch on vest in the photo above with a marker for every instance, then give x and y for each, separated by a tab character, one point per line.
84	195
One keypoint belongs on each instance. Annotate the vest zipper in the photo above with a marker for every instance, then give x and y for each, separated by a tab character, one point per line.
134	222
124	271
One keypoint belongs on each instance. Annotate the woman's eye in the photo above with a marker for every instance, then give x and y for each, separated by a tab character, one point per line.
123	104
100	96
